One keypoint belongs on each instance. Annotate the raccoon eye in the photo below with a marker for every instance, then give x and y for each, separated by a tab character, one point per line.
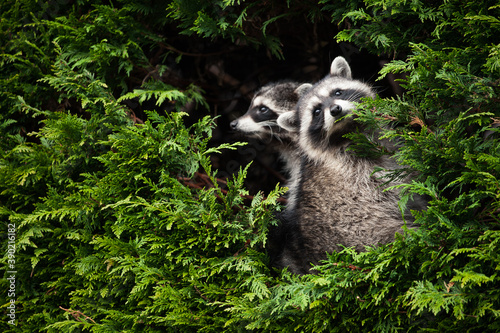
263	109
338	92
316	112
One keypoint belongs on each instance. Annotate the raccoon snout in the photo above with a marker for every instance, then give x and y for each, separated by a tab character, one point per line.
233	124
335	110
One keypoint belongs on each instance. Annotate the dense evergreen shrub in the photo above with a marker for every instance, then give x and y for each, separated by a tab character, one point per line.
109	195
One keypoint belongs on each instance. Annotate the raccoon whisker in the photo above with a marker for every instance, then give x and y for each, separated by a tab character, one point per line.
355	97
270	125
272	133
278	138
276	134
258	135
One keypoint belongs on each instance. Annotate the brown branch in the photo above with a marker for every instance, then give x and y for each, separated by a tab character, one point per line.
272	171
244	247
201	181
199	292
77	315
419	122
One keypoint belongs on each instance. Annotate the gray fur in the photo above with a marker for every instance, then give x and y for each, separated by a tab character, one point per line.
278	98
338	200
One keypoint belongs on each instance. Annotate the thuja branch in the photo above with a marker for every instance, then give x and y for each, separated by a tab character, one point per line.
78	315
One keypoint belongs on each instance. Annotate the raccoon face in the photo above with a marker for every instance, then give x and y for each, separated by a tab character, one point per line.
266	106
327	113
259	119
324	113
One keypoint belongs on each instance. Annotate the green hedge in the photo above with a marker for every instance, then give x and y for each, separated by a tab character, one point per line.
122	226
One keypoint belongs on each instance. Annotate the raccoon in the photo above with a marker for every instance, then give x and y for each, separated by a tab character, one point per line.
267	104
259	122
338	200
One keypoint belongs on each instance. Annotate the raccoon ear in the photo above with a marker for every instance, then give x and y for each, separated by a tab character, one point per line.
341	68
303	89
288	121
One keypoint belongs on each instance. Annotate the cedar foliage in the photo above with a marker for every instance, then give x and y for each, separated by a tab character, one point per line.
122	225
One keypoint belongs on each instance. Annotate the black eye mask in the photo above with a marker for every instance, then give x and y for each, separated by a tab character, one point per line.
263	113
317	123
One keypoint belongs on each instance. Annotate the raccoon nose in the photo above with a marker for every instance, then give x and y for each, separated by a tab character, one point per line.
233	124
335	110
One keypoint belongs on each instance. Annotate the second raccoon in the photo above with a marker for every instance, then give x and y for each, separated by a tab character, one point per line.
259	121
